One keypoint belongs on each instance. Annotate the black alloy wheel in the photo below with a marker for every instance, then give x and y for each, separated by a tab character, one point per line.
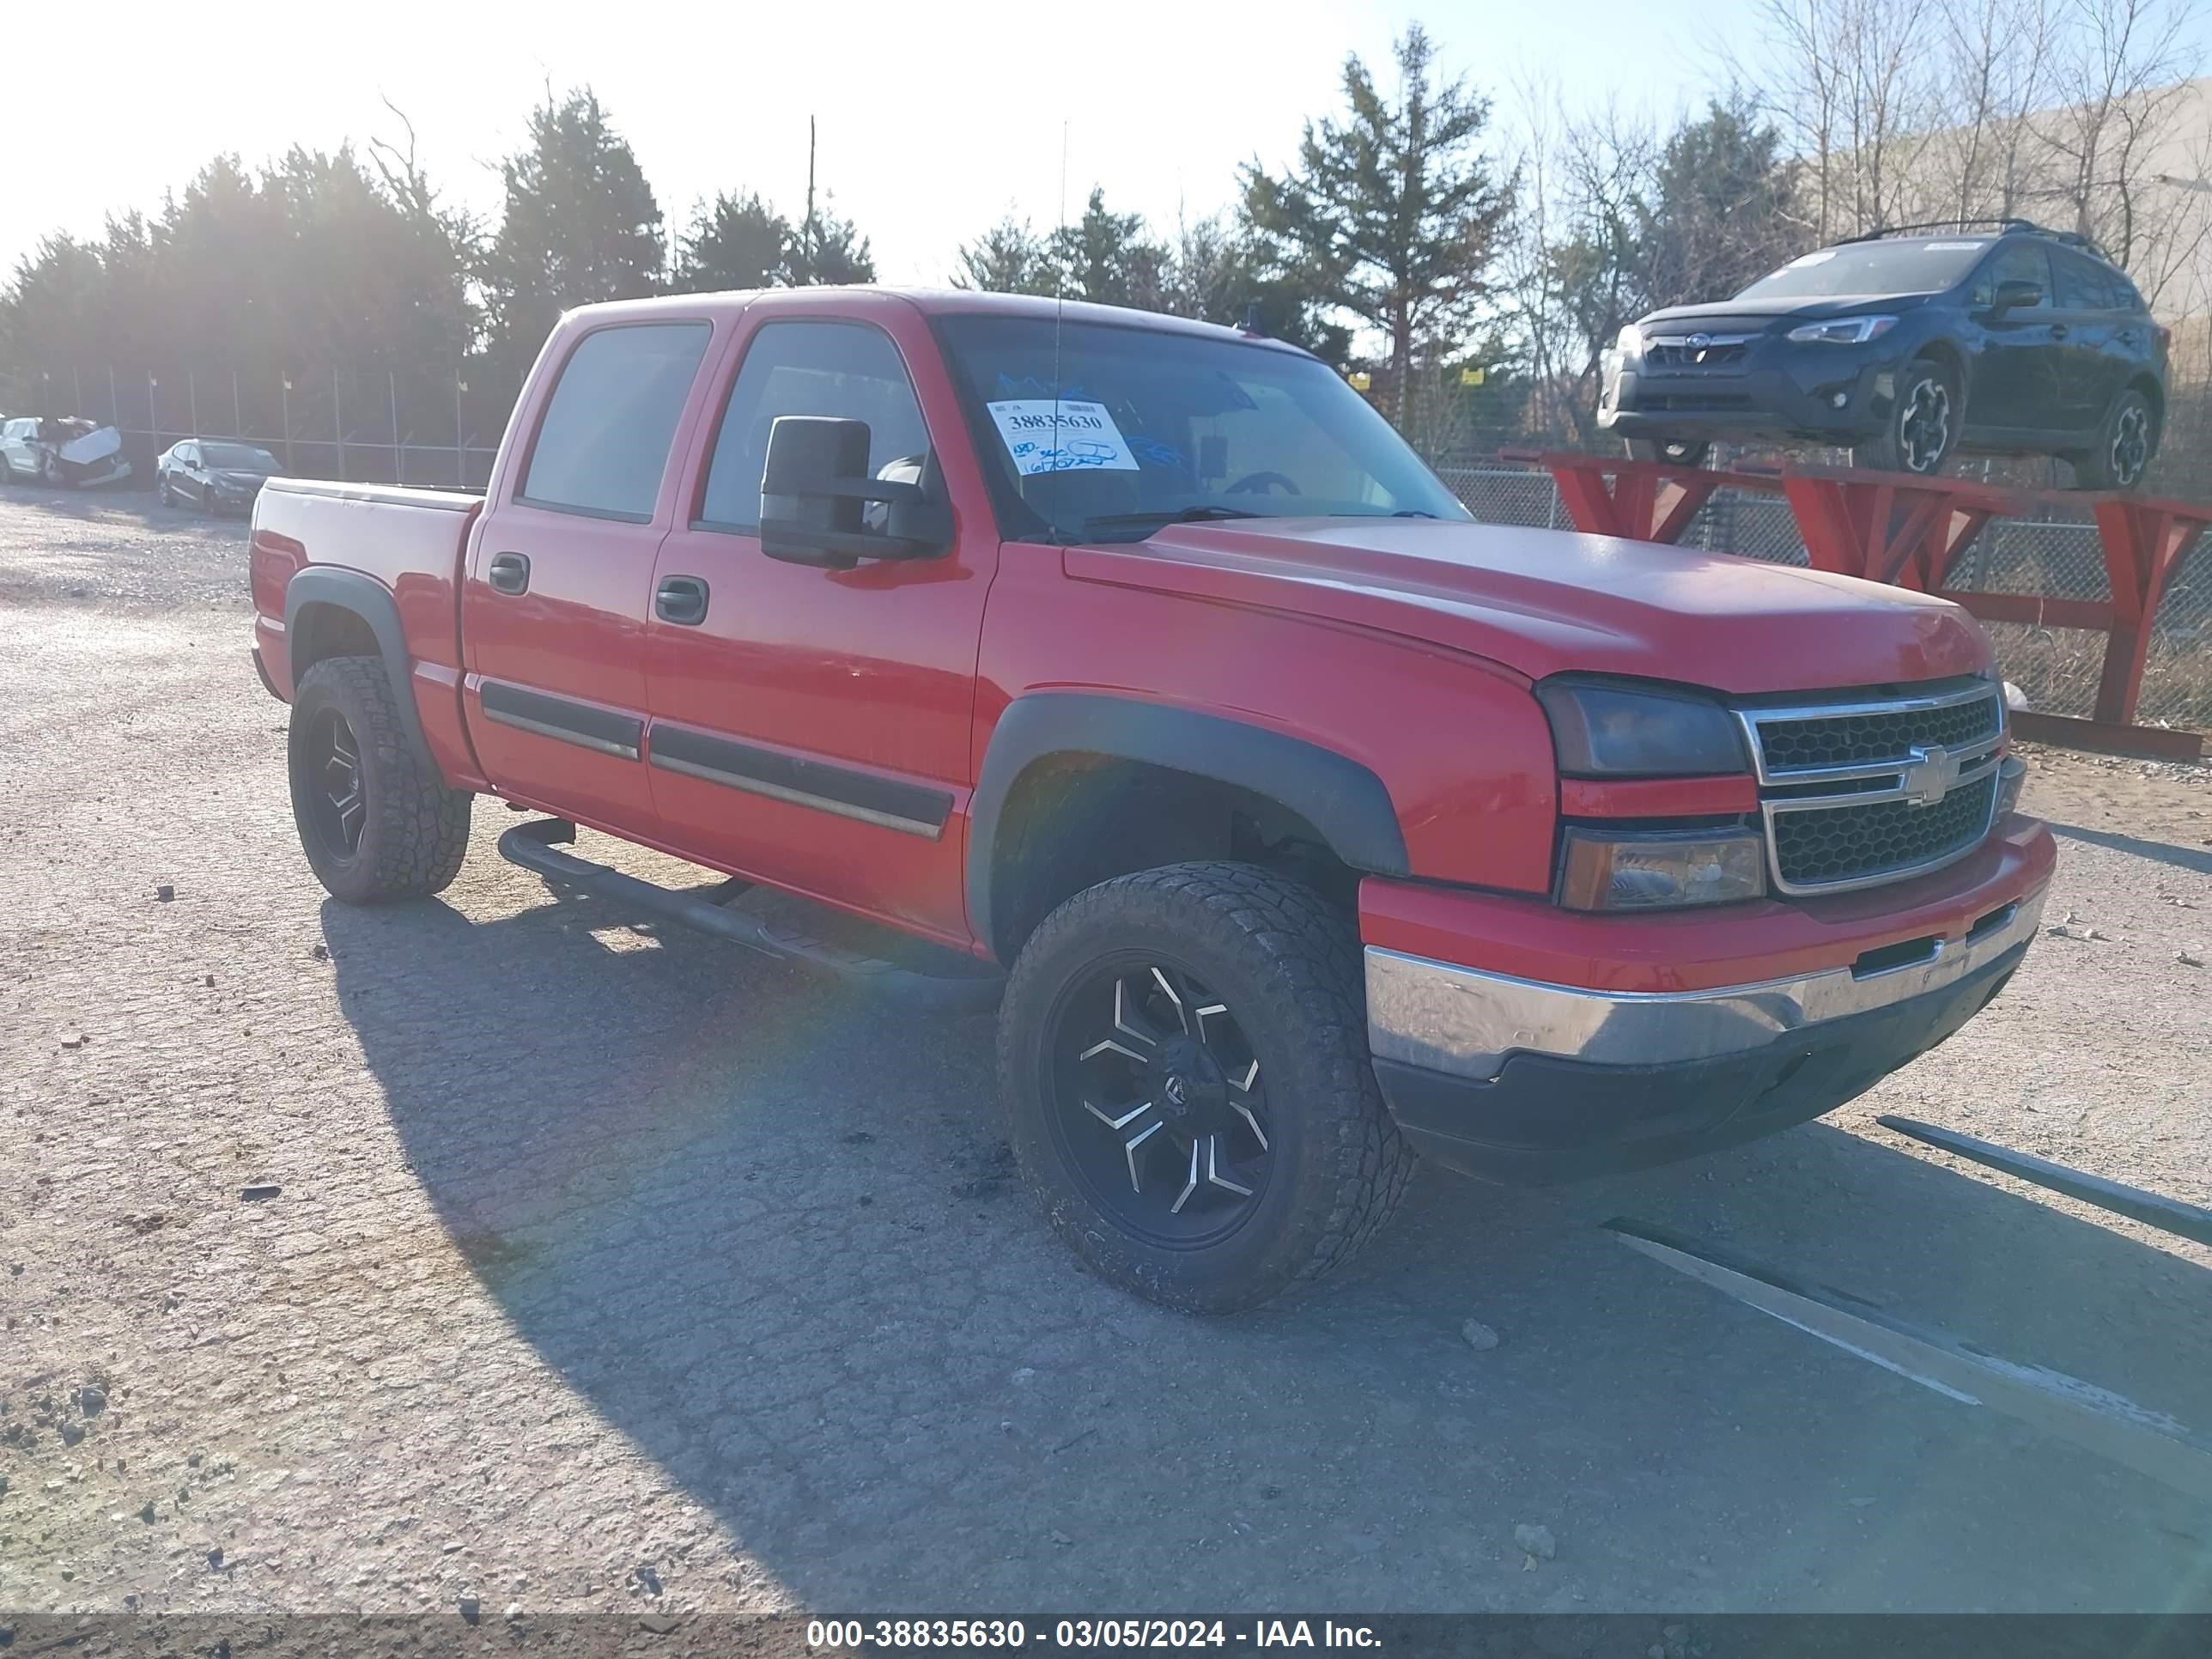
1158	1103
338	804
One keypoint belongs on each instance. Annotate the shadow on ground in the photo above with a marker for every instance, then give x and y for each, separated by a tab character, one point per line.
2158	852
774	1237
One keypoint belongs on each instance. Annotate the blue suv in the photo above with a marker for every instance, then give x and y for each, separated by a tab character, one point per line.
1908	347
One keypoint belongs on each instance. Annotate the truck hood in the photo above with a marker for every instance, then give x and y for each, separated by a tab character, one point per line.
1545	602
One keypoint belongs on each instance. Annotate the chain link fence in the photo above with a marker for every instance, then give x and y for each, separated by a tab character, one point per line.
2057	556
367	426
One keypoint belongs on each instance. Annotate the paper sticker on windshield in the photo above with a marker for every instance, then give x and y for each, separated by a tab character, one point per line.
1066	436
1950	248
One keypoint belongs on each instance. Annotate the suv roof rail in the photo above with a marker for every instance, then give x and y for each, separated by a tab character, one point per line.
2069	238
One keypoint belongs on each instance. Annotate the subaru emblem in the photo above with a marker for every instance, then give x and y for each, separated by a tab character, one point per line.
1699	341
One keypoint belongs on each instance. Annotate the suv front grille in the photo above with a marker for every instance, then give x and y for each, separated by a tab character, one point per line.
1860	792
1676	355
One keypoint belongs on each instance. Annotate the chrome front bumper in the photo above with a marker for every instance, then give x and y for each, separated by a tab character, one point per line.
1465	1023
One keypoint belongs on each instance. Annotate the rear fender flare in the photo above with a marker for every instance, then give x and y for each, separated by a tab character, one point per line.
370	600
1344	801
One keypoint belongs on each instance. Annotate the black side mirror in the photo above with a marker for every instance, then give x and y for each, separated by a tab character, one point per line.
2016	294
814	486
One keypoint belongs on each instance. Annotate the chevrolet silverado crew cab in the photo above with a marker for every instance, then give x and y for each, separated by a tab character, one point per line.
1131	676
1908	347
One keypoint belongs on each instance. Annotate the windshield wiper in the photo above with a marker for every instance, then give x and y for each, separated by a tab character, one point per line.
1200	513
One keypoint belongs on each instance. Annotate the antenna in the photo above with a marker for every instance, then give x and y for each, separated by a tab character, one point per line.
1058	290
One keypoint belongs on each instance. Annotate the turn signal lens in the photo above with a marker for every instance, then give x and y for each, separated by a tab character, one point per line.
1660	872
2010	776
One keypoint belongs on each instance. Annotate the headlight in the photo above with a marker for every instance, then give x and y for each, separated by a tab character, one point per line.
1629	343
1603	729
1660	872
1844	330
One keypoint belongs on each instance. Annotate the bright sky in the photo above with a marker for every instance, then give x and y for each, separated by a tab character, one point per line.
934	119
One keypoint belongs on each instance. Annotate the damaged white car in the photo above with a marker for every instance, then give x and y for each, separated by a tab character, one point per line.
62	452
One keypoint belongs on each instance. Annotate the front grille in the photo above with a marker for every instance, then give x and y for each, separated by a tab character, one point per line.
1854	794
1675	356
1854	844
1801	745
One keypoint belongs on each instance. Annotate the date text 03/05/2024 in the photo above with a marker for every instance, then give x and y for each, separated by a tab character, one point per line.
854	1634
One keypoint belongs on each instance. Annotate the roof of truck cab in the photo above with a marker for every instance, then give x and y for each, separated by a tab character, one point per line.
858	298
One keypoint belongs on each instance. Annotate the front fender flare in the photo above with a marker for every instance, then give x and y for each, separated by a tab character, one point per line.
371	601
1341	797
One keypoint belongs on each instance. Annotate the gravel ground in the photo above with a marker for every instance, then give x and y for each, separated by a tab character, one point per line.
613	1269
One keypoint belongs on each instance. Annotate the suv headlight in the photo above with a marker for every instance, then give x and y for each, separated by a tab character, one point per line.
1844	330
1603	728
1629	343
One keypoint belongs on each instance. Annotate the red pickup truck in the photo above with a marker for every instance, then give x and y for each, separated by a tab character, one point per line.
1131	675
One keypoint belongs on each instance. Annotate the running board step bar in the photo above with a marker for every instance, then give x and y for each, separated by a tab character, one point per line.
970	987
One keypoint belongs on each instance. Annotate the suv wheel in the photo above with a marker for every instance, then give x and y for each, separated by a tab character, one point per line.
1675	452
1923	423
375	823
2126	443
1183	1053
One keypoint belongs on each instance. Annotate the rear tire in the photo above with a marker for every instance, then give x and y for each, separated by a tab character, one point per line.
1922	428
2126	441
376	823
1203	1028
1675	452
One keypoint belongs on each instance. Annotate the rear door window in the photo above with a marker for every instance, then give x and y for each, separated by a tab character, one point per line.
846	369
603	443
2082	283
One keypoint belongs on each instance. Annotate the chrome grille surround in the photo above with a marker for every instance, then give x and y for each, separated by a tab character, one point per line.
1873	767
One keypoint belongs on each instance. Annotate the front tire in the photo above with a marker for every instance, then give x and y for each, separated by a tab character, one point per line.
1922	426
2126	443
1675	452
376	823
1183	1054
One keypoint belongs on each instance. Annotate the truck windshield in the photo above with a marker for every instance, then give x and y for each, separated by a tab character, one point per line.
1141	427
1872	269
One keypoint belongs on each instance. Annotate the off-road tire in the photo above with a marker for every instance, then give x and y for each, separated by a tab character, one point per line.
415	830
2104	467
1675	452
1291	964
1891	451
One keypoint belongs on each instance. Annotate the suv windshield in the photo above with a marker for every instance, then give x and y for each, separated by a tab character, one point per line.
244	457
1872	269
1141	426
